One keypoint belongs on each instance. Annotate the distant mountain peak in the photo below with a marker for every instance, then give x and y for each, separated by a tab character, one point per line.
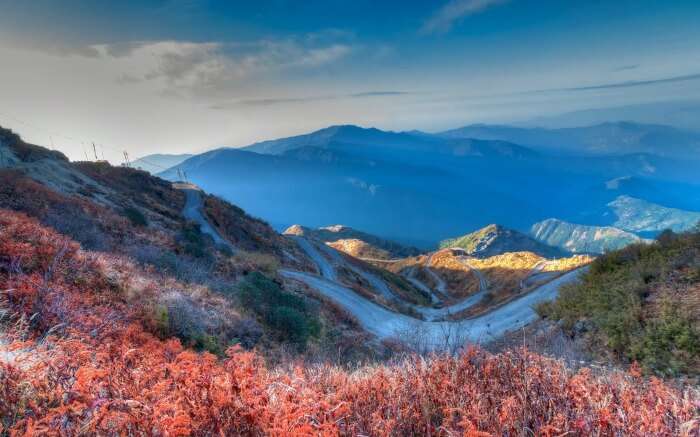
495	239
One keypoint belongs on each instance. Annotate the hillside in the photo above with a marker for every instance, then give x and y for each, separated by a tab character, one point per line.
90	362
576	238
640	303
138	220
356	243
495	240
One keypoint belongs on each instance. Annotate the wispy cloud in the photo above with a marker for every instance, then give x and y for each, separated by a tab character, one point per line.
625	67
632	83
380	93
305	99
443	20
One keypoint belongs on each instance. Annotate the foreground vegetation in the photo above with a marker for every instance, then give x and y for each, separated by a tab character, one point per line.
78	355
641	303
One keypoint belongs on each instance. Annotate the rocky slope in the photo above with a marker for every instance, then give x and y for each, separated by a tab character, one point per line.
577	238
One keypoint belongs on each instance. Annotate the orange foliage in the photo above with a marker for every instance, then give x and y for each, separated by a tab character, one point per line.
102	374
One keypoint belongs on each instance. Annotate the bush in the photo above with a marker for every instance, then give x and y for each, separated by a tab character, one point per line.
668	343
246	332
135	216
286	313
193	242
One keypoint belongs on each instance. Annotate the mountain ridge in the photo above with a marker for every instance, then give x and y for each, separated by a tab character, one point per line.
495	239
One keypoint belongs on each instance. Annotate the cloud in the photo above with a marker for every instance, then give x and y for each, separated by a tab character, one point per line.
625	67
632	83
210	67
443	20
304	99
380	93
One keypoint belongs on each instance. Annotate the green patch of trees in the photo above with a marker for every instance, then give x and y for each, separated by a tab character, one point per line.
620	298
291	317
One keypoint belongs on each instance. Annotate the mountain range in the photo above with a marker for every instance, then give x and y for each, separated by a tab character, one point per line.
618	138
418	188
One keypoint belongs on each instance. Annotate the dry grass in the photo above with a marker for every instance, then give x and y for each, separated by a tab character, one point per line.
504	272
566	264
460	279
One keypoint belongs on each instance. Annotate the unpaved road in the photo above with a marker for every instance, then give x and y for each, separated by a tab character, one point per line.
378	284
193	211
431	315
436	335
325	268
440	285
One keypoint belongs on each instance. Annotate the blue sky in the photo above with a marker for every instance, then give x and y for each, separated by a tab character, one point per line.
187	75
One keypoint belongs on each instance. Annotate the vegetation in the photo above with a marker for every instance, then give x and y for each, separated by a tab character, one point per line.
135	216
292	318
76	357
642	303
193	242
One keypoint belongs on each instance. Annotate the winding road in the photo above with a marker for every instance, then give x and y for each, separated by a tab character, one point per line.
435	335
193	212
328	284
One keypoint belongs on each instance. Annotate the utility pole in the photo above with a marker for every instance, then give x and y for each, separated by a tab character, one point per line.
126	159
94	150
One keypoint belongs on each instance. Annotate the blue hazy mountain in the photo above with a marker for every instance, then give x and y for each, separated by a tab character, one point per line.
682	114
618	138
419	188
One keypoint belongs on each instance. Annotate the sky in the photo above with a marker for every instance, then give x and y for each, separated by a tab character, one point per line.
174	76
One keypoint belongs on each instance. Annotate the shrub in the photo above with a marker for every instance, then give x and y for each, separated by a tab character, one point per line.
287	314
668	343
246	332
135	216
193	242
